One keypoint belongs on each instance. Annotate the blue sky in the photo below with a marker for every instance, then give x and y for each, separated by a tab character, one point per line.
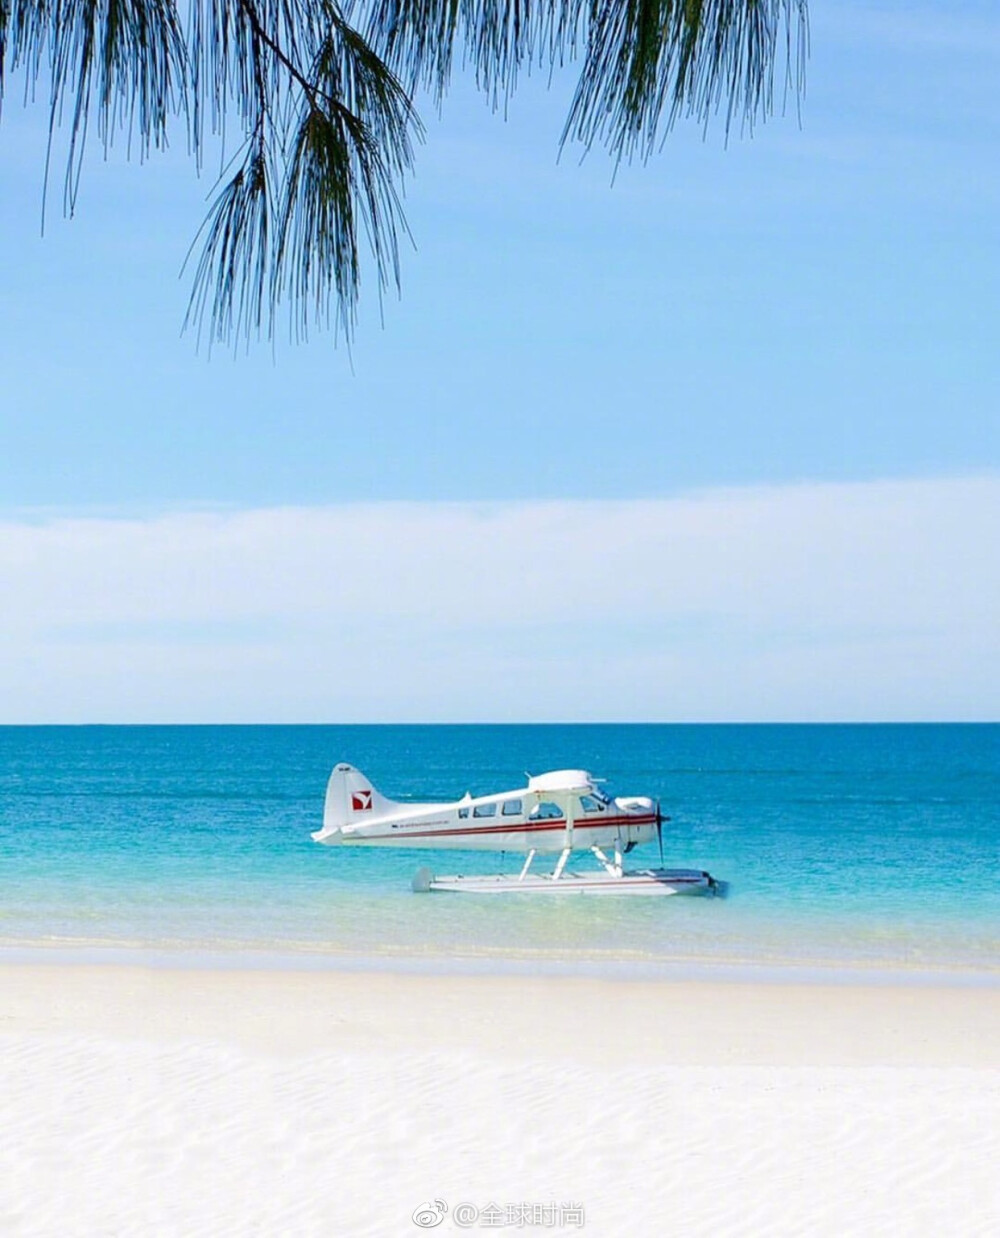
815	305
819	301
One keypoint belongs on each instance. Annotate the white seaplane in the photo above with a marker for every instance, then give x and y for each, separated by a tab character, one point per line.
556	813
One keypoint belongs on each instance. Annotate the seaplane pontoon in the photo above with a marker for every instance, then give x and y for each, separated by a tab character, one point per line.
555	814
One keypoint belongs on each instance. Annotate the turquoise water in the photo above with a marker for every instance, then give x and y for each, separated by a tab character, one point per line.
843	845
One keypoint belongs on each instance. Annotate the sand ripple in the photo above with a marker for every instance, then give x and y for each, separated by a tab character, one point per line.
103	1138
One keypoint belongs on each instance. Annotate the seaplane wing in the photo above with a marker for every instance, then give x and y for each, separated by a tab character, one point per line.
558	811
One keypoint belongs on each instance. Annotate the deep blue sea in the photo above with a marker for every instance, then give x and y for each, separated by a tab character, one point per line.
844	846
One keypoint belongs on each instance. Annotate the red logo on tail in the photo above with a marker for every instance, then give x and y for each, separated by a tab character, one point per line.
361	801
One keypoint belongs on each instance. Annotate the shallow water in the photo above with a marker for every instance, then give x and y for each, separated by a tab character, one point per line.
870	845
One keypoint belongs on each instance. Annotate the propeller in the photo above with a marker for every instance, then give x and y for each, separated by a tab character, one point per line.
660	818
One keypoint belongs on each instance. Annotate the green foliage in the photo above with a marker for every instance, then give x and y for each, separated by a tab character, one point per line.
319	98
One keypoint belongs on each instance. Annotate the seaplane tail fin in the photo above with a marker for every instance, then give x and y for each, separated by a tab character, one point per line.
351	799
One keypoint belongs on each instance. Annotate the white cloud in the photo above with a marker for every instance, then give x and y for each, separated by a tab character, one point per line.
862	600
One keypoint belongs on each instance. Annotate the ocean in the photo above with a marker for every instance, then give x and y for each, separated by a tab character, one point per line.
844	846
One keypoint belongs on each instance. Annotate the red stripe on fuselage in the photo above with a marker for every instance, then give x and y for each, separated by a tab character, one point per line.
535	827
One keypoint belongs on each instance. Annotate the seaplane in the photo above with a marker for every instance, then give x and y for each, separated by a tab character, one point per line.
554	814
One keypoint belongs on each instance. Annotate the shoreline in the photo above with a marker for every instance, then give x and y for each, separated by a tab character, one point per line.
558	1017
239	958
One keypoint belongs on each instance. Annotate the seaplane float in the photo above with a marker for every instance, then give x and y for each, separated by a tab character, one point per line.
555	814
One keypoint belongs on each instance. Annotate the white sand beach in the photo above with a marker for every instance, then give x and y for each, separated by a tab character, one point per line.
161	1101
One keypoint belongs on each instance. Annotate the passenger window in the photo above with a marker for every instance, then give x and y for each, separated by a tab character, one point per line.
485	810
511	808
546	811
463	813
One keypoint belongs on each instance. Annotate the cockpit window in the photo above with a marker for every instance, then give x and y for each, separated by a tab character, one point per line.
590	803
546	811
511	808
